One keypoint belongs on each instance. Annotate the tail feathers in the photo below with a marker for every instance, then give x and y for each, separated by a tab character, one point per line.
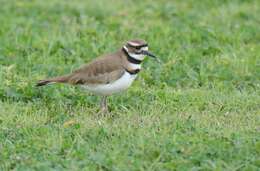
43	82
62	79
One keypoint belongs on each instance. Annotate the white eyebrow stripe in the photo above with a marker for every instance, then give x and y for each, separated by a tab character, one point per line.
125	48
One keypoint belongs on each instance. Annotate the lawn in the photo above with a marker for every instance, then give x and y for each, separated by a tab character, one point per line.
198	110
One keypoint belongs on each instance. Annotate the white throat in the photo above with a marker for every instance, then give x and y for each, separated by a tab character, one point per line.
134	66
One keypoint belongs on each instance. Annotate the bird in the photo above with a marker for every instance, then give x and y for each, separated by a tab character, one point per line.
109	73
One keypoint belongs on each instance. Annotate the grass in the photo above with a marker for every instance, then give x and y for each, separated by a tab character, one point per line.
199	110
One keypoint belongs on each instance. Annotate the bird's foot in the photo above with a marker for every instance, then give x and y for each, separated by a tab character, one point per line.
103	112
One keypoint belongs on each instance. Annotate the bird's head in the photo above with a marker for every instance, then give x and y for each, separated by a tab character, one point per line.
138	49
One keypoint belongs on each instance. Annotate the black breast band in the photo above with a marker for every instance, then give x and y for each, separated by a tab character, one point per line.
132	72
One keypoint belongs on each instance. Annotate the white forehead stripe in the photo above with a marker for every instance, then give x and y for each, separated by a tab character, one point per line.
145	48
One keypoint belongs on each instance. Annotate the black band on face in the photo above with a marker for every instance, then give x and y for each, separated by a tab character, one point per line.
131	59
133	72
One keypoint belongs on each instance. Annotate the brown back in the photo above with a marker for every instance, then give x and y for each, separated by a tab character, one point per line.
103	70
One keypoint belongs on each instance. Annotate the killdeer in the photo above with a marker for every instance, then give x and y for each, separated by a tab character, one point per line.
108	74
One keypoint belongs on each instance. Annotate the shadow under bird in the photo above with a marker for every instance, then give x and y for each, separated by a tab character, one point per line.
108	74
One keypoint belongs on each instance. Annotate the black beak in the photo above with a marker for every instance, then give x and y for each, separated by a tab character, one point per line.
147	53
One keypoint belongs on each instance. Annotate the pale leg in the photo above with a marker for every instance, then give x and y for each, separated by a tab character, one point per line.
103	104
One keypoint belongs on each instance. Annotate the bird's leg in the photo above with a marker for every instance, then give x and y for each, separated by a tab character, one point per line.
103	104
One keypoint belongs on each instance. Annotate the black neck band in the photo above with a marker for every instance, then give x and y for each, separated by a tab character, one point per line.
131	59
133	72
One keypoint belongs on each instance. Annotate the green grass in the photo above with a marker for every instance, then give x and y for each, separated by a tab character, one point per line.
198	110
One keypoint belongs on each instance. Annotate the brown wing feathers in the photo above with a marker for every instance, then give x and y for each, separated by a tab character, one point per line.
103	70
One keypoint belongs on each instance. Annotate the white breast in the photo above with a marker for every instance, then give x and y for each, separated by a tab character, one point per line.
117	86
134	66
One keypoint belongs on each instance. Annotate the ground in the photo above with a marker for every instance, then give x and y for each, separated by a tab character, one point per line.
198	110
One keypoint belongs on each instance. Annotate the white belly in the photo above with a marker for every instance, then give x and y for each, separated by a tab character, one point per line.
107	89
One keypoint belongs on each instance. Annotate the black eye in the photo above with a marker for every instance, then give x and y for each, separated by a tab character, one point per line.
138	48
